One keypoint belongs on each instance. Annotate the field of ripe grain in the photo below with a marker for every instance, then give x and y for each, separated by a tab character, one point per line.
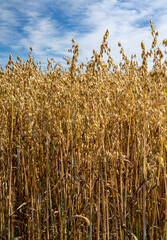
83	150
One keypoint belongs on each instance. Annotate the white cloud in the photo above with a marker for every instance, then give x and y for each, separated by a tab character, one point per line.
46	37
8	24
125	22
35	23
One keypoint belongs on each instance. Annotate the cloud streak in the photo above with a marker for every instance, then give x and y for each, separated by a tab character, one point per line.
49	26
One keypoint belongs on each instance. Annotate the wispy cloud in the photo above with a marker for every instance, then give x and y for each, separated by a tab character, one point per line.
48	26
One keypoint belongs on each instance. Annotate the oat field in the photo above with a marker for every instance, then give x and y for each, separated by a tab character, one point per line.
83	148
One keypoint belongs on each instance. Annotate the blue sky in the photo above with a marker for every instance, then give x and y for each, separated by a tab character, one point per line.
49	25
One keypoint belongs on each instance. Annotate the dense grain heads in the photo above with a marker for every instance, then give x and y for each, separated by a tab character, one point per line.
83	149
